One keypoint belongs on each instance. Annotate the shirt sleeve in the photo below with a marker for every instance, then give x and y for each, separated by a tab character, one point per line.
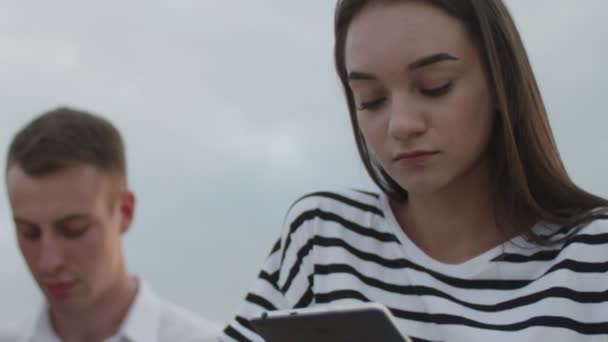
285	280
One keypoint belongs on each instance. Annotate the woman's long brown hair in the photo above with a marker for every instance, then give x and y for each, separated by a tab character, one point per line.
530	180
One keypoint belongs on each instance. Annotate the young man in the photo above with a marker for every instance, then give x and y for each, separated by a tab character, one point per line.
67	185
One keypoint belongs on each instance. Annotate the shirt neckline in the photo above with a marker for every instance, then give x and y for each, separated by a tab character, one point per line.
140	324
473	266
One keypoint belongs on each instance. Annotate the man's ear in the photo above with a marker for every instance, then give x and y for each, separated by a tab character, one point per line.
127	210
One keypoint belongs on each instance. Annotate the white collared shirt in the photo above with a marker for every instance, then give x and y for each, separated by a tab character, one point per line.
150	319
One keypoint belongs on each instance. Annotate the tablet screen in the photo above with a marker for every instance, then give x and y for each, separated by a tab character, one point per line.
364	323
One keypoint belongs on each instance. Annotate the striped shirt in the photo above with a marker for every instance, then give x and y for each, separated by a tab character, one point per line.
344	246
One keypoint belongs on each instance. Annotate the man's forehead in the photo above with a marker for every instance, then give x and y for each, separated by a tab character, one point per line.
81	174
58	195
59	220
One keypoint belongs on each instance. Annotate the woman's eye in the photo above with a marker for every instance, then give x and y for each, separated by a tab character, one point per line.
371	105
437	91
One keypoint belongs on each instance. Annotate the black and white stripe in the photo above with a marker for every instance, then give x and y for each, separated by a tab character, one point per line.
341	246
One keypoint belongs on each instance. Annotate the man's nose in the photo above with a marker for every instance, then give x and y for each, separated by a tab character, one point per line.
51	258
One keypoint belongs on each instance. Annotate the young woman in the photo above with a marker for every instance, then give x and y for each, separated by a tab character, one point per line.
478	233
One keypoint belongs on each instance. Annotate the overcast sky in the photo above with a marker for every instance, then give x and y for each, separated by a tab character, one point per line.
230	110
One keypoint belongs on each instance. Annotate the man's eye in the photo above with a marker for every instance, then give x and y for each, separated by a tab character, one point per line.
437	91
30	234
371	105
74	232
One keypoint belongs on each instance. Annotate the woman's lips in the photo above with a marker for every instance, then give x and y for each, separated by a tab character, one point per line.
414	157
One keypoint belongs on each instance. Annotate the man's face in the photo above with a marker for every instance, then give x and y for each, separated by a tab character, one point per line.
69	226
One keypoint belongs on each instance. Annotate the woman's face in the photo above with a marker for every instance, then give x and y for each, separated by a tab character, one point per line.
423	102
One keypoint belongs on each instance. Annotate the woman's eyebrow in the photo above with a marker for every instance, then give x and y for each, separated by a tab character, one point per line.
419	63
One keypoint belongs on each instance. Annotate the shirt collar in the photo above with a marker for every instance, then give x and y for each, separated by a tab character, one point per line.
143	319
41	329
140	325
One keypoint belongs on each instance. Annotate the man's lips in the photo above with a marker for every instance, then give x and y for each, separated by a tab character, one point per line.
59	289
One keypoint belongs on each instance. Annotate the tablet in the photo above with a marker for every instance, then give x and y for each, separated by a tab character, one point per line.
363	322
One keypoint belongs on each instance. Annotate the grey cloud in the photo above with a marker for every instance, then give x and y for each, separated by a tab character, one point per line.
231	110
